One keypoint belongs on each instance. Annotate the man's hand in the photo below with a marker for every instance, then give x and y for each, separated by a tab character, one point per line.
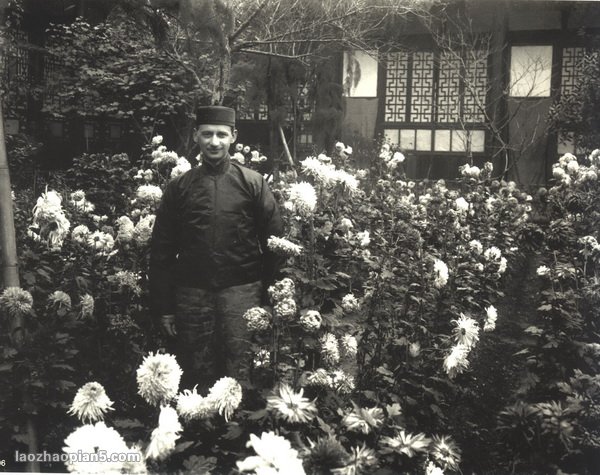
168	325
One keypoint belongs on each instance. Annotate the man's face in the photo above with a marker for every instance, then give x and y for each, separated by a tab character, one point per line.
215	140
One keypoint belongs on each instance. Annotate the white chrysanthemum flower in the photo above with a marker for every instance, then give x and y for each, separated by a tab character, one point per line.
469	171
257	319
282	289
349	345
542	271
492	254
285	308
158	378
476	246
342	382
363	238
433	469
274	455
350	303
489	203
466	331
320	169
398	157
182	166
15	301
246	149
311	320
320	377
239	157
77	195
440	274
589	246
407	443
91	403
361	460
558	173
346	225
226	396
47	205
191	405
101	242
361	173
349	182
93	439
125	228
461	204
490	319
148	196
445	452
456	361
157	140
49	218
143	229
292	406
363	419
60	300
339	146
414	349
125	279
164	437
502	265
87	306
83	205
303	197
239	147
283	246
330	350
161	156
80	234
262	358
566	158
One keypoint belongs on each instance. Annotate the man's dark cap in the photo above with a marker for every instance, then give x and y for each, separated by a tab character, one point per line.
215	115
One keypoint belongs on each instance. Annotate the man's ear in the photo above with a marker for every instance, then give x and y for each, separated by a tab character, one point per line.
234	134
195	135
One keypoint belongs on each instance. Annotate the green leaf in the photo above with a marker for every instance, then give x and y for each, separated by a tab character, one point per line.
257	415
234	430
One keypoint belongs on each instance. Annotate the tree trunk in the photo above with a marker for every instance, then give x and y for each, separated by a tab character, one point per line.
498	85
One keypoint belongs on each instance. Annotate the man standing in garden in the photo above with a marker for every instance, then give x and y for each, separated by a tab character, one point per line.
209	256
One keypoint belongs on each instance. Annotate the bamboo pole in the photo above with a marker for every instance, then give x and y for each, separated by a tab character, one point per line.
285	145
9	270
8	242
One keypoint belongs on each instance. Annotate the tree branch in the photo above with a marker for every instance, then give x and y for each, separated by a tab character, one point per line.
248	21
272	54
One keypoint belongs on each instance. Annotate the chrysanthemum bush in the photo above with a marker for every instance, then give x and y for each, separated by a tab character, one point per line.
388	292
555	414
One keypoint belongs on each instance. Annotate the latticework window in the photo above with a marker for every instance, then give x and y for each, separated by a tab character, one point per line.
436	101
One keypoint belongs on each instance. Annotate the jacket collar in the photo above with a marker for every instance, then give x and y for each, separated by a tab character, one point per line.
216	168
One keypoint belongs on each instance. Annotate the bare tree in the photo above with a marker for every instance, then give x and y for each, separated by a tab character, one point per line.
464	48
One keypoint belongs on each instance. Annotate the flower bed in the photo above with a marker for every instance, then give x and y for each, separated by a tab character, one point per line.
392	293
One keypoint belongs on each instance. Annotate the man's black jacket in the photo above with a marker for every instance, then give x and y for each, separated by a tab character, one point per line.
211	232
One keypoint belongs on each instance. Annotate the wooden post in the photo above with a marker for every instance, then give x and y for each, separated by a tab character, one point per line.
9	270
